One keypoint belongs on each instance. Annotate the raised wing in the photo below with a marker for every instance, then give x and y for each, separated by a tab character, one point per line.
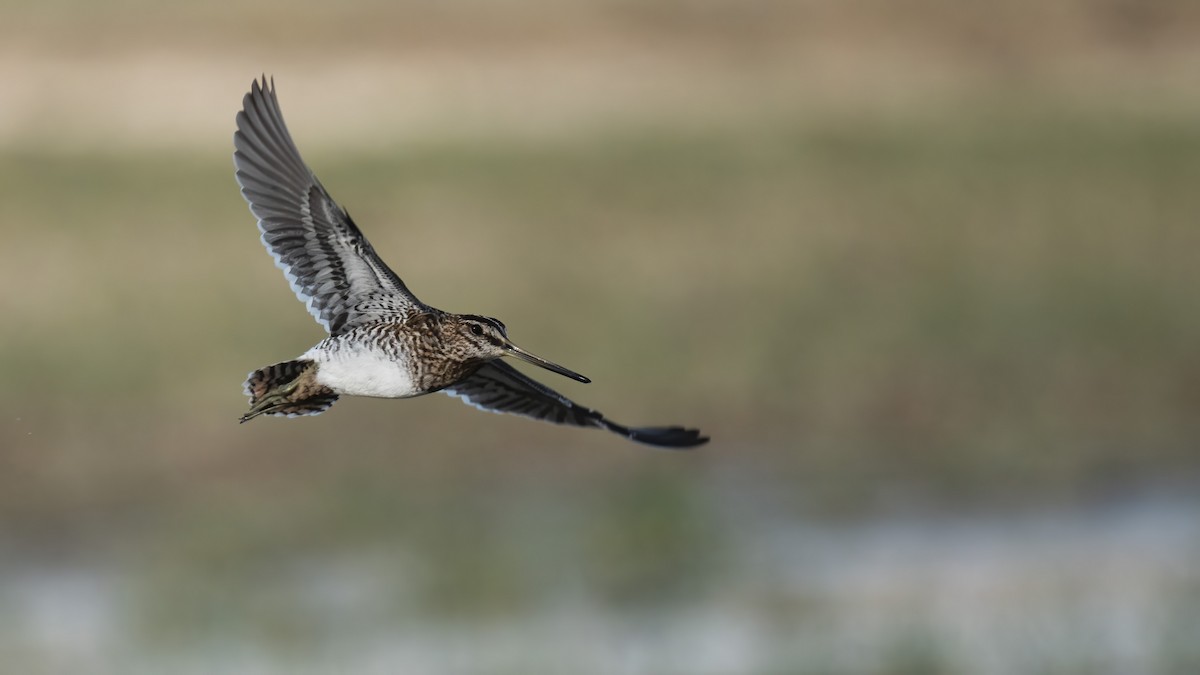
327	260
498	387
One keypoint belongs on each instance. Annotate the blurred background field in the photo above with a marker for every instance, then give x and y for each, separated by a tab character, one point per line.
925	270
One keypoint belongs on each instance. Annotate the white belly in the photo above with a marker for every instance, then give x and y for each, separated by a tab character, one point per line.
364	372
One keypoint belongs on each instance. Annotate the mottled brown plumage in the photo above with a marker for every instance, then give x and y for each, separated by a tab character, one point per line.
445	351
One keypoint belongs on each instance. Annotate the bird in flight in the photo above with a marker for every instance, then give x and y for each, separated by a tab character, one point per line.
383	341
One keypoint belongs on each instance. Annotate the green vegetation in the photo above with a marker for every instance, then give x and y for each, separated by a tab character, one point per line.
967	302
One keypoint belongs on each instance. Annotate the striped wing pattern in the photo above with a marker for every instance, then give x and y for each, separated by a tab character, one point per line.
329	263
498	387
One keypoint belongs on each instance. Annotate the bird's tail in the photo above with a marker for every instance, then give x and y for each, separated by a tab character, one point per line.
289	388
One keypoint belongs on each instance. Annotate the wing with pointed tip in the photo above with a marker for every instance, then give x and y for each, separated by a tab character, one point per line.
498	387
330	264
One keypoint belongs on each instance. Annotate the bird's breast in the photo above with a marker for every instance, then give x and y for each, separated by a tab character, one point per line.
364	371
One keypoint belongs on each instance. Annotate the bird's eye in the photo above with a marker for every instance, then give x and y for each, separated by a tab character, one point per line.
476	329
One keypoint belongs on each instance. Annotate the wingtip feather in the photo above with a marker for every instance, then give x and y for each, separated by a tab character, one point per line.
675	437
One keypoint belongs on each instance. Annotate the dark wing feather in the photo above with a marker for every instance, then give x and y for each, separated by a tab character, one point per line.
328	262
500	388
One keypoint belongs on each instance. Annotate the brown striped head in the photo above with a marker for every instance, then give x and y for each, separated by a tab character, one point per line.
486	338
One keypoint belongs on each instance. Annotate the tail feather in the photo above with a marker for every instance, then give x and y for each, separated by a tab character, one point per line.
289	389
261	381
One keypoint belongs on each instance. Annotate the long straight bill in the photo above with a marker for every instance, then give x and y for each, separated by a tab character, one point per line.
539	361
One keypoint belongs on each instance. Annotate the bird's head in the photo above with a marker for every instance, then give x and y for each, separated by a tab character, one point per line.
486	338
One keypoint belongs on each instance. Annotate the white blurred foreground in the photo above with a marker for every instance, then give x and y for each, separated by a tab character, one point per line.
1115	590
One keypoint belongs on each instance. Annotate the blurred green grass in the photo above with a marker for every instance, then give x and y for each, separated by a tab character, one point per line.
991	295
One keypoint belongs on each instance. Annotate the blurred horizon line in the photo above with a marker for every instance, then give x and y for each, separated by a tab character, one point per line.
358	98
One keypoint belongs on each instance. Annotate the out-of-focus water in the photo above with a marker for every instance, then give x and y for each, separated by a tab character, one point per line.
1110	590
